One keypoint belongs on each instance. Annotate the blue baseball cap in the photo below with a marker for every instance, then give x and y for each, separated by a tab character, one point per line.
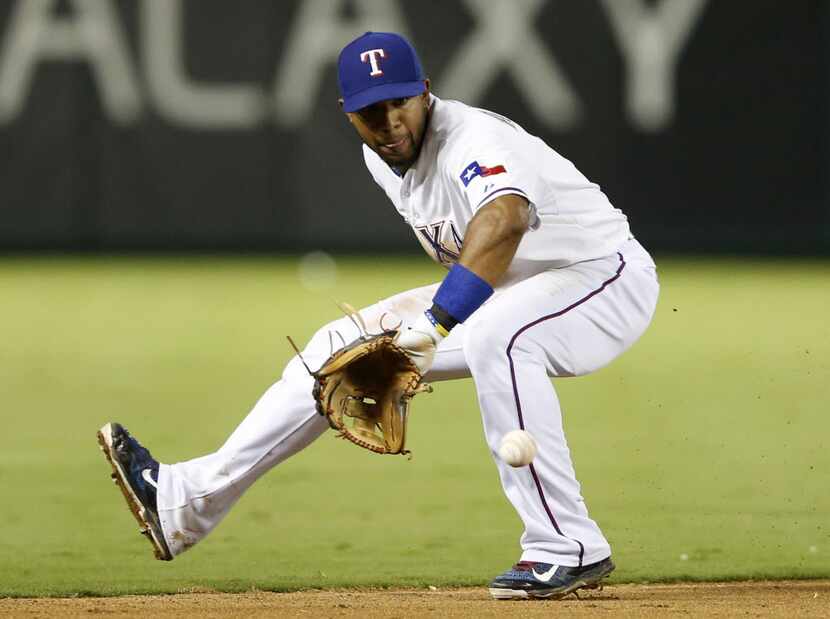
378	66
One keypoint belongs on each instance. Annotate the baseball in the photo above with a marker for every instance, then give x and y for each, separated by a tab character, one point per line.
518	448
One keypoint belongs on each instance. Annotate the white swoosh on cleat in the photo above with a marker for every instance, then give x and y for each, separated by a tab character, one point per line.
149	479
545	576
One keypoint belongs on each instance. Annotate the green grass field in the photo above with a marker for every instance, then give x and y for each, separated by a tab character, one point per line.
704	452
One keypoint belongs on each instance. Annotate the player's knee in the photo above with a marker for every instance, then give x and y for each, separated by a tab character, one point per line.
492	341
485	344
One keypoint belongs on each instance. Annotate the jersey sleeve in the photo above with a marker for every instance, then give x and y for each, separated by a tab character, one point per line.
490	165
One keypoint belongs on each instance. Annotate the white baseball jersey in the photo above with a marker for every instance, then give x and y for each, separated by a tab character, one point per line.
471	156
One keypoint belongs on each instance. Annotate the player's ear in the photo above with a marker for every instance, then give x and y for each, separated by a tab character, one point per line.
425	94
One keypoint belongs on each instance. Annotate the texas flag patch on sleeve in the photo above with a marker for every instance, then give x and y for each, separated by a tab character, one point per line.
474	169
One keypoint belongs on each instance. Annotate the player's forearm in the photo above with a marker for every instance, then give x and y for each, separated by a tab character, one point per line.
492	237
490	243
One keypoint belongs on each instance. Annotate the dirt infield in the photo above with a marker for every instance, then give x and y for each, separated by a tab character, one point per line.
767	599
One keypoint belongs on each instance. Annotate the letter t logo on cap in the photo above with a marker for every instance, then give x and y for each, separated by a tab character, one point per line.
372	56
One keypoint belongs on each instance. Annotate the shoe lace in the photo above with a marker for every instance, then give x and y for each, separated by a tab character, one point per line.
139	449
142	458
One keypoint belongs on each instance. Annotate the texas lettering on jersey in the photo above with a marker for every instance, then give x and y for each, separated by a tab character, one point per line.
432	238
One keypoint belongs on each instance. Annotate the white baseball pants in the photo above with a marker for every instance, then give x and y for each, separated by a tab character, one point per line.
563	322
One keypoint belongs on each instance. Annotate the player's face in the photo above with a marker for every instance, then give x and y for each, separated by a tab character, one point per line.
394	128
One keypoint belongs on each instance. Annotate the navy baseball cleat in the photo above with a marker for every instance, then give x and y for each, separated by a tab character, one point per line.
529	579
135	472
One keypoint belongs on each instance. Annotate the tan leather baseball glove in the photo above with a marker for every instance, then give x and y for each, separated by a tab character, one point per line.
364	390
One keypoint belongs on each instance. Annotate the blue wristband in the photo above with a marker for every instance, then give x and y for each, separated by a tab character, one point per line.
462	292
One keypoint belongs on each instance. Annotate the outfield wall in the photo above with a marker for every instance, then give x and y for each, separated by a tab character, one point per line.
203	124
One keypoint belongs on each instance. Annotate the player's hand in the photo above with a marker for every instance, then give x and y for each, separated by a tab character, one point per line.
419	342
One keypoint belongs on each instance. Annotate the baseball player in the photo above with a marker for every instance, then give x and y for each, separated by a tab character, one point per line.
544	280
